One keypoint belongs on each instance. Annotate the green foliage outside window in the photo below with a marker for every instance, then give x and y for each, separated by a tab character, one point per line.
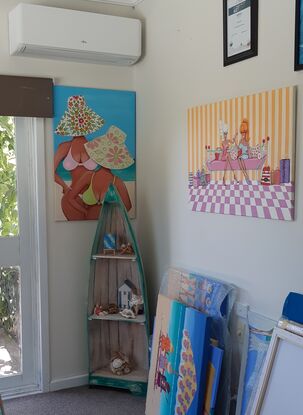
9	276
9	300
8	192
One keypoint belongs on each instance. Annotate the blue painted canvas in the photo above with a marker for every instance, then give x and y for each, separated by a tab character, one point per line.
94	146
165	357
293	307
176	323
180	353
213	379
258	344
215	298
193	363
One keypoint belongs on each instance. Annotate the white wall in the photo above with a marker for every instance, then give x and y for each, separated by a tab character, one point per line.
182	68
69	244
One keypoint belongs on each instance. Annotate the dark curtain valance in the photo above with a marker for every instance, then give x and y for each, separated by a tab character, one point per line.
23	96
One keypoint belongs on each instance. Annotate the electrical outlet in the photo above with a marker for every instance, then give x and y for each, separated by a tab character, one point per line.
241	310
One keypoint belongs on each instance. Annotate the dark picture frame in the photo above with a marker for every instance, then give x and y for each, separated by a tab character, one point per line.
253	50
298	36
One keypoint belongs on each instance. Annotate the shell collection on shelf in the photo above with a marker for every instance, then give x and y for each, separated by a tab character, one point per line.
119	364
129	306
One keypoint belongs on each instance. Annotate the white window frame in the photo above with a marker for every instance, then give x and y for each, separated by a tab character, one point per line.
32	217
38	172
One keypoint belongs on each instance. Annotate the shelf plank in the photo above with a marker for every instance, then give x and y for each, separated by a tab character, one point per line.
117	317
137	375
125	257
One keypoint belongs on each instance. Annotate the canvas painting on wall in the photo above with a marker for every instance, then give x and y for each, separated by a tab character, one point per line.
241	156
94	146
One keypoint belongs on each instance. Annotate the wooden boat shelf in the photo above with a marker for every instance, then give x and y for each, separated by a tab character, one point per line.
114	333
117	317
136	381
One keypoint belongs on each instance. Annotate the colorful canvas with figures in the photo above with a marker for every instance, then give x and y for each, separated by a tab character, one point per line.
165	359
177	376
94	146
241	155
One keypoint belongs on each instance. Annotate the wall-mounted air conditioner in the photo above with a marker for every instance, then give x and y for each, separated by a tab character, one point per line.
49	32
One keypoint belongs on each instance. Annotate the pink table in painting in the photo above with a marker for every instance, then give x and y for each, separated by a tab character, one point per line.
250	164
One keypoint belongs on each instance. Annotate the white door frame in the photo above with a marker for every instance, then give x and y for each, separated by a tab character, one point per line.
32	218
38	175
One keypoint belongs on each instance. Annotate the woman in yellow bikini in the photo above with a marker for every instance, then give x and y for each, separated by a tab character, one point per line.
77	121
110	152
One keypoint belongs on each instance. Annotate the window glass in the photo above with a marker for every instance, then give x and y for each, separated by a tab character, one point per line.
8	187
10	347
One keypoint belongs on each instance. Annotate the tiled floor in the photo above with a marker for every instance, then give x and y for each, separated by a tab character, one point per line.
243	199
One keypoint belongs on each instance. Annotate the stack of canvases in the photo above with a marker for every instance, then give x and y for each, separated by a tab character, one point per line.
189	341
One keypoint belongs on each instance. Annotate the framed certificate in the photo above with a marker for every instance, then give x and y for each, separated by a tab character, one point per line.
240	24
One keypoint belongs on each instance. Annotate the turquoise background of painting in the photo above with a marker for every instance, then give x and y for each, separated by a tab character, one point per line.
175	334
115	107
198	326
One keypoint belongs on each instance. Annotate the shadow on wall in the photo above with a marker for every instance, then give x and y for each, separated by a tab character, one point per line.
149	255
152	246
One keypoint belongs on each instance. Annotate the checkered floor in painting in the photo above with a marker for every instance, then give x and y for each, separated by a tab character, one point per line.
242	199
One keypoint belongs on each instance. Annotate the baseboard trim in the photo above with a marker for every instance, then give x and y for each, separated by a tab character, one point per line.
17	392
66	383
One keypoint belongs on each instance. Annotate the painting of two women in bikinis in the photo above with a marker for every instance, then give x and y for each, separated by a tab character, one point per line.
94	146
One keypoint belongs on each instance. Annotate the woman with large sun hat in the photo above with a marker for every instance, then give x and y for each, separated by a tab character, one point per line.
77	121
110	152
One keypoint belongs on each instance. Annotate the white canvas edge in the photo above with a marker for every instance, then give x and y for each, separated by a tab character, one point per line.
278	335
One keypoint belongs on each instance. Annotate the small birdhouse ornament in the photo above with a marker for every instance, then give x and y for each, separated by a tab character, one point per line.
125	293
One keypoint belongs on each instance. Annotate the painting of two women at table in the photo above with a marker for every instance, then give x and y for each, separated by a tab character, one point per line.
245	140
241	155
94	146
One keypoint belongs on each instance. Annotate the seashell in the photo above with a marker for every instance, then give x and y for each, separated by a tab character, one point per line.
119	364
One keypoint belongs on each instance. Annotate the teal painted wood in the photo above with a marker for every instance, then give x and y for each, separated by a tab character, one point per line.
106	329
136	388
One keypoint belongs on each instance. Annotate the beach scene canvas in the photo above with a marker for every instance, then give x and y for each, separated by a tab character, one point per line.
94	134
241	155
165	357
